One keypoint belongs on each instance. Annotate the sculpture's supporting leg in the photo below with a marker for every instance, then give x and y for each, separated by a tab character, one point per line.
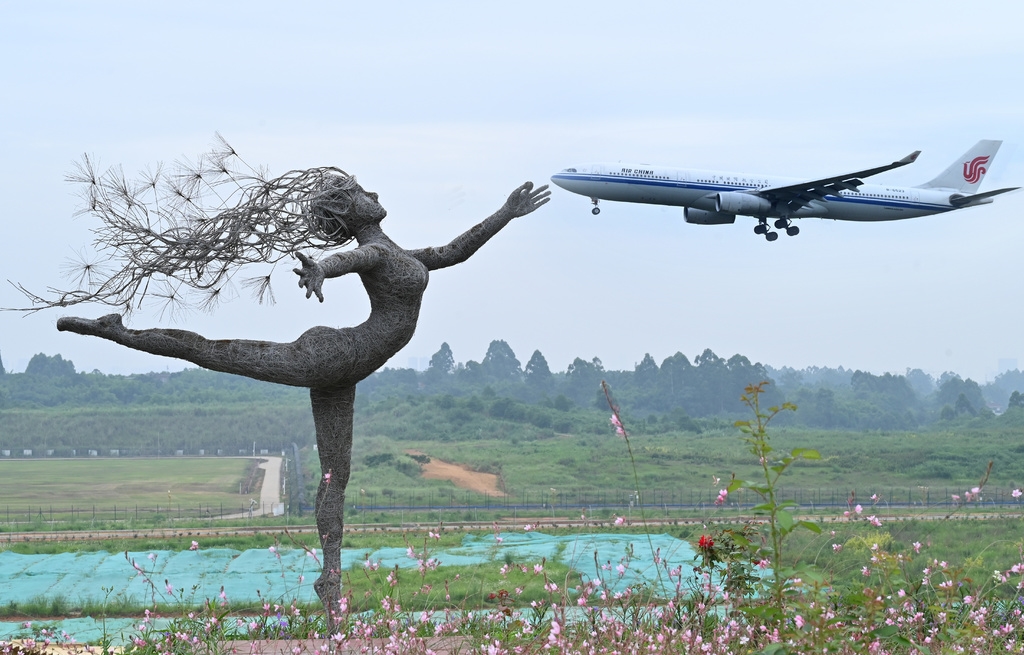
332	416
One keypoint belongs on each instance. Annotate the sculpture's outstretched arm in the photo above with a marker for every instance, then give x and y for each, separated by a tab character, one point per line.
313	273
523	200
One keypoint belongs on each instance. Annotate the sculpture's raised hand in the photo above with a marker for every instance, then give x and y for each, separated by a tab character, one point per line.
311	276
525	199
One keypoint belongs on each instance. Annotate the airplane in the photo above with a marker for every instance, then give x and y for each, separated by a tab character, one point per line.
716	198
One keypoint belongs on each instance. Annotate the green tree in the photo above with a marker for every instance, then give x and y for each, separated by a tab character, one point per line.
675	382
56	366
952	387
500	362
2	371
1016	400
584	379
922	383
537	371
442	362
964	406
645	374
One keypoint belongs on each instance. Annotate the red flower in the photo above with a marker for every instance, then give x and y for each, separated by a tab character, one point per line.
705	542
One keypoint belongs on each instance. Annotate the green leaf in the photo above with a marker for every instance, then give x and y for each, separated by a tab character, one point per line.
735	484
806	453
763	507
813	527
886	632
785	520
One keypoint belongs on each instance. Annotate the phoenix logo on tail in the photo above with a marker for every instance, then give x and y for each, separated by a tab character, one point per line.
974	169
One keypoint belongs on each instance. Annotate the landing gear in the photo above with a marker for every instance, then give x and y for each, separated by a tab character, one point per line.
780	224
596	210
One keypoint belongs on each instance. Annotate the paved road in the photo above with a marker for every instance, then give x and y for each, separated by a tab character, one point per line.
270	492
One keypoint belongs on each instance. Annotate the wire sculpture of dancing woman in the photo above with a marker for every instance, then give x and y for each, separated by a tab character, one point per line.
160	236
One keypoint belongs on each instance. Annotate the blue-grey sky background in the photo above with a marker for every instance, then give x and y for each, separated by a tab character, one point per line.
444	107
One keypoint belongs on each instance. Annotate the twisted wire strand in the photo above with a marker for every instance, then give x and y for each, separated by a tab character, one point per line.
180	236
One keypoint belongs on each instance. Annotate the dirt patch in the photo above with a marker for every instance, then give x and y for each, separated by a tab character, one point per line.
461	476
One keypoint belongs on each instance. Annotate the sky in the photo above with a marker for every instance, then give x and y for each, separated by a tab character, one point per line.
443	108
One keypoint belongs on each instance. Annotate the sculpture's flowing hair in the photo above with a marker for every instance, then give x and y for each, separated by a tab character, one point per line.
181	236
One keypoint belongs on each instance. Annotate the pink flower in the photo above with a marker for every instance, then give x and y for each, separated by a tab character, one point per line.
917	546
327	476
874	497
527	527
865	571
836	548
619	520
956	498
799	621
169	587
619	430
722	495
858	509
555	631
194	546
1016	493
874	521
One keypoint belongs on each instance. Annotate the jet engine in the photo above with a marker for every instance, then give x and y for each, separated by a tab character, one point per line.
733	202
701	217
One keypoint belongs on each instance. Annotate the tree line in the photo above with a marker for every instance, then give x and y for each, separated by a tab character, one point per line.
675	393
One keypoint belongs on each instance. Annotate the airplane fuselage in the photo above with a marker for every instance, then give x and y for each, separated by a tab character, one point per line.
701	189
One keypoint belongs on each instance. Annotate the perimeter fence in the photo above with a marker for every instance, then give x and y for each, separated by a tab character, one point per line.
457	504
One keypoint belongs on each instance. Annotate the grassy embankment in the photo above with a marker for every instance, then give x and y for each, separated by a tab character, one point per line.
165	487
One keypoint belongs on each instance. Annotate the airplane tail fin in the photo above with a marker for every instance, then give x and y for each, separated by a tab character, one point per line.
967	172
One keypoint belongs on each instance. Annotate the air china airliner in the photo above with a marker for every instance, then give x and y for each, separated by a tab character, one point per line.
716	198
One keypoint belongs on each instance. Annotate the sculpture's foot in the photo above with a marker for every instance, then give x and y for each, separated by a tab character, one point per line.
106	326
328	589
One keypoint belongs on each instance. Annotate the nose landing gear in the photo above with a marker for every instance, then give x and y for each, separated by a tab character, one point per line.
596	210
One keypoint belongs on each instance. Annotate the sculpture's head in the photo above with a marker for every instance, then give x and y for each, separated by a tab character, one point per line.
339	207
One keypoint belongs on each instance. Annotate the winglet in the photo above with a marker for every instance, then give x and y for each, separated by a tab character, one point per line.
909	159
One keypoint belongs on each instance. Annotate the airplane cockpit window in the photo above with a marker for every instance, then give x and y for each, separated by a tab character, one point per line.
569	170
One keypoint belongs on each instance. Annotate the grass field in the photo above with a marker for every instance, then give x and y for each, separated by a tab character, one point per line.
908	464
149	483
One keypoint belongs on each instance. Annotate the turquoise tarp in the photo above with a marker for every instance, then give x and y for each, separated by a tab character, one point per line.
289	573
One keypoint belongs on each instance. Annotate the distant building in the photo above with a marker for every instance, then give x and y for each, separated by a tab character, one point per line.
419	363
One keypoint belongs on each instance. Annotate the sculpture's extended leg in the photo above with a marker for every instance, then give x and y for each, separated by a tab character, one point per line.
332	416
320	356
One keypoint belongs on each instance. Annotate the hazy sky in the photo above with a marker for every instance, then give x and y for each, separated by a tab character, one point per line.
445	107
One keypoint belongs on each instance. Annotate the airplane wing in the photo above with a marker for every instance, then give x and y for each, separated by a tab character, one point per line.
795	196
959	201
